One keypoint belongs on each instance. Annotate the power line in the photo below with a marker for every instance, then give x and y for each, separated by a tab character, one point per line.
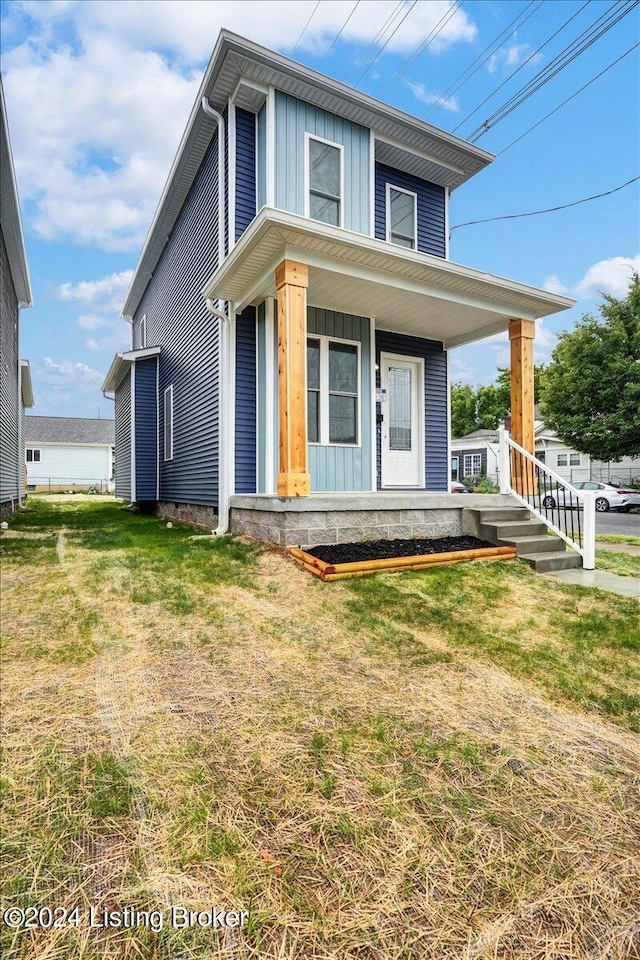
555	110
398	7
525	62
304	29
437	29
341	31
386	43
536	213
492	46
553	69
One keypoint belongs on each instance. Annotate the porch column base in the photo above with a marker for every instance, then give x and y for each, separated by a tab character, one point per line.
294	485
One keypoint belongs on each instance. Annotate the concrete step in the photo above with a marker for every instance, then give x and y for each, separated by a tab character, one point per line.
549	562
541	544
506	513
506	529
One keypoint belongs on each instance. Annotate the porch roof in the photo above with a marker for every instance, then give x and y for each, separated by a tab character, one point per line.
121	363
407	292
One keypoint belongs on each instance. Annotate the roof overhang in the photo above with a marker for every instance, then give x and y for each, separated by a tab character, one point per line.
405	291
26	387
404	141
121	364
10	215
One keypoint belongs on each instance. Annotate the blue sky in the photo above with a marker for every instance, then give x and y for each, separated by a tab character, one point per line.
98	94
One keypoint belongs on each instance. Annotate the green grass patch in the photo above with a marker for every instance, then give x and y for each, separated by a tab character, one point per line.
624	564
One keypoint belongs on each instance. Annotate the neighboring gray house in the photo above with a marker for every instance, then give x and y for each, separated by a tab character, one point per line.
15	293
293	308
475	455
69	453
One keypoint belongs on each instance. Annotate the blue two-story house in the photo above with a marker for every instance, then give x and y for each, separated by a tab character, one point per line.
292	312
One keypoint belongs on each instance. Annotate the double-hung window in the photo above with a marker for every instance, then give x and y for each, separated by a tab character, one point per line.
472	464
324	181
333	391
402	217
33	456
168	423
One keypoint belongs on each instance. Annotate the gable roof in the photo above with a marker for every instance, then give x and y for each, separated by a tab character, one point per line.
483	436
445	158
10	214
69	430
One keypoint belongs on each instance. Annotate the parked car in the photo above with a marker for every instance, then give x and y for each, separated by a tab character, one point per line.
457	487
608	497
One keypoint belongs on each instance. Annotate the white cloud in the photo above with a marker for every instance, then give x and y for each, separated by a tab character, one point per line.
99	94
73	371
111	289
511	56
422	93
105	297
610	276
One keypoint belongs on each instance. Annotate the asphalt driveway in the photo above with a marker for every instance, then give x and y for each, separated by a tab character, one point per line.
613	522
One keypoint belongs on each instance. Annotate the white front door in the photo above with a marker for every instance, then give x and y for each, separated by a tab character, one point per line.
402	426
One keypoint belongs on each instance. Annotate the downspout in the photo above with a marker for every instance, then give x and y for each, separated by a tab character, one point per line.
227	440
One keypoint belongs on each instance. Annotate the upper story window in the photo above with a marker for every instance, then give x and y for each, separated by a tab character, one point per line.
324	176
33	456
402	217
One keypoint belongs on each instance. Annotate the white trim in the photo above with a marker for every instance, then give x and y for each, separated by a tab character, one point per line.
471	457
446	354
168	390
374	424
372	183
447	240
307	176
231	152
270	149
323	399
422	474
387	226
158	428
258	159
271	387
143	332
231	408
415	152
133	433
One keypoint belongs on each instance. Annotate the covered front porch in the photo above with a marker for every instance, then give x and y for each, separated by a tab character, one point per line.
353	400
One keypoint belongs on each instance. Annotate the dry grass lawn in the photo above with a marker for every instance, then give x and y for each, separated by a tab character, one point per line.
430	765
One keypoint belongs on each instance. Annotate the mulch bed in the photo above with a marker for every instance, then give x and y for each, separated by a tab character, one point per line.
334	553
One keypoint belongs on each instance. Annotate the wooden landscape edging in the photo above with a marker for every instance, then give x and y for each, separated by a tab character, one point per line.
361	568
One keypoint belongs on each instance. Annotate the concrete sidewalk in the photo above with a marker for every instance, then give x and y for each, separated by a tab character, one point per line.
613	582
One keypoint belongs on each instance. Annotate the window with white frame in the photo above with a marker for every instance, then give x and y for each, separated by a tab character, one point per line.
575	460
472	464
143	331
324	180
168	423
33	455
333	391
561	460
402	217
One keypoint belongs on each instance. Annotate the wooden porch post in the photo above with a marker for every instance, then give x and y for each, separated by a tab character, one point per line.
292	280
521	335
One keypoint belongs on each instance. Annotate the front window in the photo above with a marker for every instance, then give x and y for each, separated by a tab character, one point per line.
473	464
562	460
324	162
574	459
333	376
33	456
401	217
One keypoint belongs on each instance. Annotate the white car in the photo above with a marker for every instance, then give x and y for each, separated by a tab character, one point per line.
608	497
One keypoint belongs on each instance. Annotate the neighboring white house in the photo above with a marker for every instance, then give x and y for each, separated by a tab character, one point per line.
69	453
573	465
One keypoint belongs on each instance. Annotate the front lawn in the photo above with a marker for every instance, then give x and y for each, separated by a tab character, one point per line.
424	765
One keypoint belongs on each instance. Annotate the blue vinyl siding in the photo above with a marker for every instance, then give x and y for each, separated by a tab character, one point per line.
293	119
245	449
341	467
123	438
261	156
146	417
245	170
431	208
178	321
435	403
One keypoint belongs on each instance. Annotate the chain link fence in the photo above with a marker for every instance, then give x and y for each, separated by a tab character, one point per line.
64	485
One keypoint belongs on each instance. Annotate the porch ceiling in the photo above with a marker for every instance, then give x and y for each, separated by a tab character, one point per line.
407	292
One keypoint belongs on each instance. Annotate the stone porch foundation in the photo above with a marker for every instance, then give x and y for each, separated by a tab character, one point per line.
345	518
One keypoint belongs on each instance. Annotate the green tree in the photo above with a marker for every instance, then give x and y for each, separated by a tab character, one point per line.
483	407
592	391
